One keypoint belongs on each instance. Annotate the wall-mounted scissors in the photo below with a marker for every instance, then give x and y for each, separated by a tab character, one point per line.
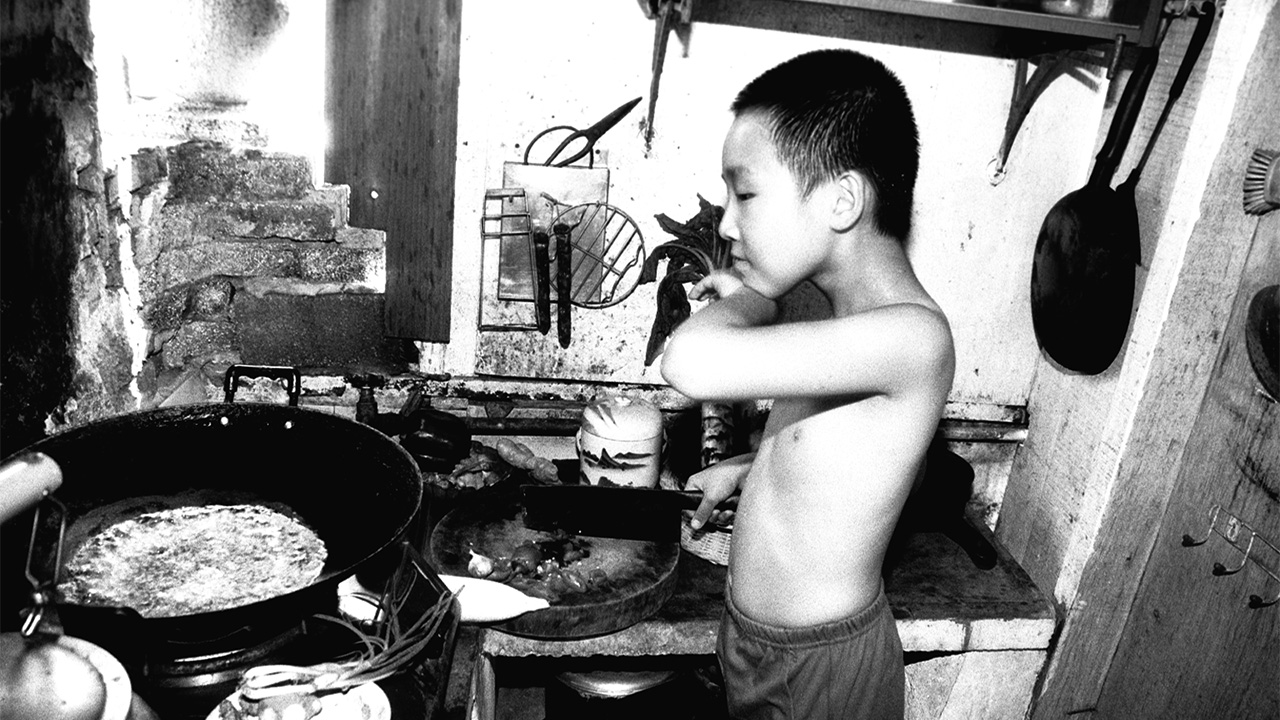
585	139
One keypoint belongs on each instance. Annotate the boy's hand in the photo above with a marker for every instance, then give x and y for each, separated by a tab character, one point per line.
718	483
720	283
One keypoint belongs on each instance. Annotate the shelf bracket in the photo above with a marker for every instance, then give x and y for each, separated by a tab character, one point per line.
1025	92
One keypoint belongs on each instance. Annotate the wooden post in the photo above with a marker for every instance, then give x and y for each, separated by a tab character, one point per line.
392	108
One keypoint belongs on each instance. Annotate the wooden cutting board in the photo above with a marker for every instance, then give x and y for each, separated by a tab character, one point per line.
641	574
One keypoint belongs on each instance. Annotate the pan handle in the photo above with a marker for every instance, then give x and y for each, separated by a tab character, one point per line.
24	480
290	375
1126	116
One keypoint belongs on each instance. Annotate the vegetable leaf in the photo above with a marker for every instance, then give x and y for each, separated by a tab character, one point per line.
696	250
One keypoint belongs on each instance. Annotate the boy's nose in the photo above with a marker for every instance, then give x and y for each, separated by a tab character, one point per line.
728	226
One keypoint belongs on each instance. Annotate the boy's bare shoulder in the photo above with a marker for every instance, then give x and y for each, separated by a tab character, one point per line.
923	311
922	321
913	335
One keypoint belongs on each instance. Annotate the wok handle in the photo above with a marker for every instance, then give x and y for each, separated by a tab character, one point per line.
24	480
1126	116
290	375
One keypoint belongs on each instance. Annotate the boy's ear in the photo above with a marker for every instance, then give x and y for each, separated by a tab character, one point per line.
850	200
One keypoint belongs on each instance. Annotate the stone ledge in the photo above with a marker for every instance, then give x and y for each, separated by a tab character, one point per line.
316	216
354	237
203	170
297	220
157	124
207	299
198	340
342	331
325	263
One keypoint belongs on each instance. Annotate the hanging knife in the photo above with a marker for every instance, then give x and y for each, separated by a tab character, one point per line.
542	291
664	17
564	283
667	15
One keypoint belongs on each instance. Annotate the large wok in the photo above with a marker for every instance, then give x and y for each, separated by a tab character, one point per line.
357	488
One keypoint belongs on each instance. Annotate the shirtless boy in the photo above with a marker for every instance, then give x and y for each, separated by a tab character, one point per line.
820	166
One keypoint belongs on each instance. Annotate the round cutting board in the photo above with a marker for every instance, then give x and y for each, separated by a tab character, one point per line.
641	574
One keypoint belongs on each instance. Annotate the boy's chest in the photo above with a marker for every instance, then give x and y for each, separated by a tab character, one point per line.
786	412
796	423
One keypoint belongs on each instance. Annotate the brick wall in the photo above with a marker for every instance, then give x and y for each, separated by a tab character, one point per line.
241	259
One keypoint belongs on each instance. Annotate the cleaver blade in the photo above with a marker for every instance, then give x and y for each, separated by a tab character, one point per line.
615	512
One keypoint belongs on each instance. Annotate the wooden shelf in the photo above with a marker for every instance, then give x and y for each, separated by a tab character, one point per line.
999	28
1021	15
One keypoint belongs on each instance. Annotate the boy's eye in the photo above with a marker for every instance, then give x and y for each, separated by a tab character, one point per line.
741	197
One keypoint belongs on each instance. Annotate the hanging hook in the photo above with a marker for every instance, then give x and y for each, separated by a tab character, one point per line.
1256	601
1188	541
1220	569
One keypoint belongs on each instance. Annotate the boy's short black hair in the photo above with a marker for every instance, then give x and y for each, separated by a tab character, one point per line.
839	110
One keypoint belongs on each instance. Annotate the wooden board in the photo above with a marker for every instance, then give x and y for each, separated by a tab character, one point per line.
642	574
393	114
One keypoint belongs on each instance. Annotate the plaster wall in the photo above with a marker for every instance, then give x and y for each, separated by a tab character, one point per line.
246	72
524	69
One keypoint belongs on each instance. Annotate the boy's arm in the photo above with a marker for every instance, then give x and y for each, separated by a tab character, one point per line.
728	350
735	305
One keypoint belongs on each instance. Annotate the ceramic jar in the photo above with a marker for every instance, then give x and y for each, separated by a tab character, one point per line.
620	442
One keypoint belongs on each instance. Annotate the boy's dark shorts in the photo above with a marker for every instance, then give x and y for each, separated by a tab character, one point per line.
850	668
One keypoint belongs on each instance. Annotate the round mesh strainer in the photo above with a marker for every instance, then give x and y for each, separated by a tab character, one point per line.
607	254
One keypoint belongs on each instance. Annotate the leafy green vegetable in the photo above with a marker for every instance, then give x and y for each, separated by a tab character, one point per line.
697	250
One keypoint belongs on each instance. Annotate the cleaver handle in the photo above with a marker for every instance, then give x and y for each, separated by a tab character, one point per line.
681	499
564	285
542	287
634	513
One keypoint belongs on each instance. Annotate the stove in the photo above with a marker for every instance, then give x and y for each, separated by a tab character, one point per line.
188	682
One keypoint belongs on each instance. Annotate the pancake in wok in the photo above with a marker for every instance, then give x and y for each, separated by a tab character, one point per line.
193	559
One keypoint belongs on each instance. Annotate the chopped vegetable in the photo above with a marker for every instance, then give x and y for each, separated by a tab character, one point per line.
547	569
526	558
480	566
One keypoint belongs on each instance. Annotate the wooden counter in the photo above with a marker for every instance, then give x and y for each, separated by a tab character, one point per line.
970	622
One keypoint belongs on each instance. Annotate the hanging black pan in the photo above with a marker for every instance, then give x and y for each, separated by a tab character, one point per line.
1082	275
357	488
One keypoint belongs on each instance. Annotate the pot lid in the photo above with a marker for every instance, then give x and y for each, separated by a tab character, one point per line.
622	418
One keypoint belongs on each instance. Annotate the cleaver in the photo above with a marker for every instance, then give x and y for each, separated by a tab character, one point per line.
616	512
